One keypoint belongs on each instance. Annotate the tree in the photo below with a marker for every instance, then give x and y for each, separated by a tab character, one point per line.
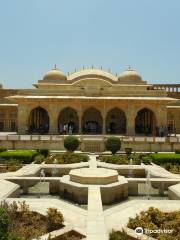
113	144
71	143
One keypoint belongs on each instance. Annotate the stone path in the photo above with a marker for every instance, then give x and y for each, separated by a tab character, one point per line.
96	228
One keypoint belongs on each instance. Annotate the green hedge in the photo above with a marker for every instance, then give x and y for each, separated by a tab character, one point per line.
24	156
44	152
162	158
3	149
177	151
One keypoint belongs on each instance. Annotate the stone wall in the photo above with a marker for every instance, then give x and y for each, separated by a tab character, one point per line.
141	146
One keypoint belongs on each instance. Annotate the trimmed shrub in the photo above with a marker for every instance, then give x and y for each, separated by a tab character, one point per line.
113	144
55	219
163	158
146	159
177	151
25	156
44	152
3	149
71	143
39	159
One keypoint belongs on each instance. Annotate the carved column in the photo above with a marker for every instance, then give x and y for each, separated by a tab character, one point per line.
80	121
23	115
130	121
53	118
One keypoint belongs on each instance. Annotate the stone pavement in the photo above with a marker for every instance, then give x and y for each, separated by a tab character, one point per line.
96	228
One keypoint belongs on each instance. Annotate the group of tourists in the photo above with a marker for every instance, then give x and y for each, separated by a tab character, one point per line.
164	131
67	128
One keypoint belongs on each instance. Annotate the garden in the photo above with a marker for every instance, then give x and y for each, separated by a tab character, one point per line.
71	144
153	219
170	161
15	159
17	222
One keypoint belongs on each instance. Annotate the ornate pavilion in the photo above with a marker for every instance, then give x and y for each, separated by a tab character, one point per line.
91	101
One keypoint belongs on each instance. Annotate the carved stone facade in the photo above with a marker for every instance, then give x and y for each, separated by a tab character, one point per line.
90	101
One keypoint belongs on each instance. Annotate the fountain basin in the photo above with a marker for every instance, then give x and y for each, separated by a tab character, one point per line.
100	176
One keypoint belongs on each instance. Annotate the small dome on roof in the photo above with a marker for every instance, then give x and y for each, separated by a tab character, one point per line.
129	76
55	75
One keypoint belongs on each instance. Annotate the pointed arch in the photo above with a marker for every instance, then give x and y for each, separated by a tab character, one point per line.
92	121
68	121
145	122
116	121
38	121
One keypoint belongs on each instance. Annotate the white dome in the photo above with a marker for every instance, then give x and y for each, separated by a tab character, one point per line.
130	76
54	75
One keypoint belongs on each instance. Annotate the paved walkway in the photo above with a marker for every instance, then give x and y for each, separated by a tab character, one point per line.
96	228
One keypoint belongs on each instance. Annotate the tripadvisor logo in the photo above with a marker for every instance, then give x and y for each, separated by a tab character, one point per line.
140	231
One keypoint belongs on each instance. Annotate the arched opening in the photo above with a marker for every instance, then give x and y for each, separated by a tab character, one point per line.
38	121
116	121
145	122
68	122
92	121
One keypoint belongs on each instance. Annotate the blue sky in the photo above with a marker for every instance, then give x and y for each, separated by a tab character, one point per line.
36	34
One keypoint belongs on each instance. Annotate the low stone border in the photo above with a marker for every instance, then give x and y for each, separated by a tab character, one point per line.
9	189
174	192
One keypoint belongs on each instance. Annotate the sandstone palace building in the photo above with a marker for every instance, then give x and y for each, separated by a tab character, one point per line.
91	102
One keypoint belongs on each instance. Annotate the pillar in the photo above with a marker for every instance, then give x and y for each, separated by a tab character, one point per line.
104	125
161	116
23	115
80	121
130	121
53	118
